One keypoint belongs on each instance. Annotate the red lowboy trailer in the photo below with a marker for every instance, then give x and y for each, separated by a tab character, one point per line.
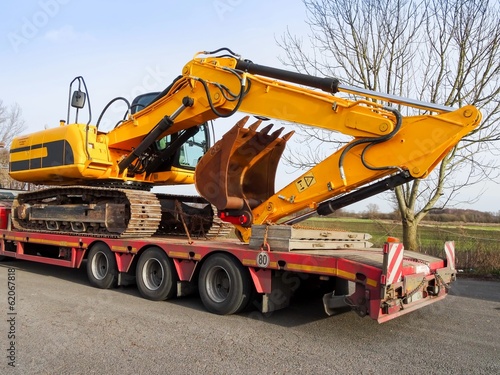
231	276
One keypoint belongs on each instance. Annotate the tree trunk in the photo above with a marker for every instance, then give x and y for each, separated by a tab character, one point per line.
410	238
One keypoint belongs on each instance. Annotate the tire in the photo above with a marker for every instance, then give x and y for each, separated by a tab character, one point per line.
101	267
156	276
224	285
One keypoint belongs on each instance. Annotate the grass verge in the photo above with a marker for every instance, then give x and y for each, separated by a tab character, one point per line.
477	247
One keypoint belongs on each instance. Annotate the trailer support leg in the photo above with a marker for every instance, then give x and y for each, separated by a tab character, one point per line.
335	302
281	292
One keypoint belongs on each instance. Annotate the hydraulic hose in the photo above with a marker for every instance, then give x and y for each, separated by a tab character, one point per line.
372	141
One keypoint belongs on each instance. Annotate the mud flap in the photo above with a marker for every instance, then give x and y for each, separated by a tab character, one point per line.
238	172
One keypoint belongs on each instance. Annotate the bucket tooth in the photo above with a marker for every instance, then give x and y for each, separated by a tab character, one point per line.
275	134
242	122
255	125
266	130
239	171
288	135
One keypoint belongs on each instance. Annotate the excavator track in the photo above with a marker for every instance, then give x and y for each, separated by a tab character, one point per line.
87	210
116	213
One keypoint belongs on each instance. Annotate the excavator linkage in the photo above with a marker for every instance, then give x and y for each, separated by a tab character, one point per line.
238	172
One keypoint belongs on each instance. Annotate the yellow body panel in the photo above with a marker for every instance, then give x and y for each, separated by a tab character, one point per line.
59	156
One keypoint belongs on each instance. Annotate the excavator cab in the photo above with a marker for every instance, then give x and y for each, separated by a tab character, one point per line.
179	150
190	152
142	101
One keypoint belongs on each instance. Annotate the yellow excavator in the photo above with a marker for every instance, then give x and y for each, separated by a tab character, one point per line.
103	178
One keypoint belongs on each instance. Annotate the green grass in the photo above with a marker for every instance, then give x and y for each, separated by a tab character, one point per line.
477	246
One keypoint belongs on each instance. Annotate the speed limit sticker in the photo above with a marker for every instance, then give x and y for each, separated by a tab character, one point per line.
263	259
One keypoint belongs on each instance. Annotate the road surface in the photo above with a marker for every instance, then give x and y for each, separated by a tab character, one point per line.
64	326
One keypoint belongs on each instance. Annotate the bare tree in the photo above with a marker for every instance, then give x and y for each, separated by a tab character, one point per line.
372	210
442	51
11	124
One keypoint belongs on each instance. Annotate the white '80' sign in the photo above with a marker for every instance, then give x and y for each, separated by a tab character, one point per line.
263	259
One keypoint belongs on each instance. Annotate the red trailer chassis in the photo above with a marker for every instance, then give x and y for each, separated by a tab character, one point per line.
381	283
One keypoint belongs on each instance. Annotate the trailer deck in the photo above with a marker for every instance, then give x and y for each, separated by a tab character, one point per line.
388	282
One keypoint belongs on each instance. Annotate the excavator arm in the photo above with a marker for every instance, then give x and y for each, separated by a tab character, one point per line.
237	174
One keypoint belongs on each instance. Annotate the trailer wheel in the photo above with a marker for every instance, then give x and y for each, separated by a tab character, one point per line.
155	275
101	267
224	284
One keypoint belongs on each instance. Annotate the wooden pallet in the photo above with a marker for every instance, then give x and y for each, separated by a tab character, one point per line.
289	238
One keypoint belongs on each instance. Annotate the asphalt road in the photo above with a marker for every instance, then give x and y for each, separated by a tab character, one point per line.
64	326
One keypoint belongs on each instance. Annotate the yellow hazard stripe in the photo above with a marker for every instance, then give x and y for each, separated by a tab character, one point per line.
183	255
124	249
328	271
253	263
46	242
312	269
249	262
178	254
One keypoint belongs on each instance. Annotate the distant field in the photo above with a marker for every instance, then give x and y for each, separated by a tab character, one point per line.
478	246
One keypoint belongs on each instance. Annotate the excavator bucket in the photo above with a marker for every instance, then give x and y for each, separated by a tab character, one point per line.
239	170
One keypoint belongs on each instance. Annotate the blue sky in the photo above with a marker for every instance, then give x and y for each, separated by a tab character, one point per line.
115	45
124	48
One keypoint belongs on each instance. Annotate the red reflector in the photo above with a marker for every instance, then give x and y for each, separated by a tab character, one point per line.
4	217
237	220
382	279
386	248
